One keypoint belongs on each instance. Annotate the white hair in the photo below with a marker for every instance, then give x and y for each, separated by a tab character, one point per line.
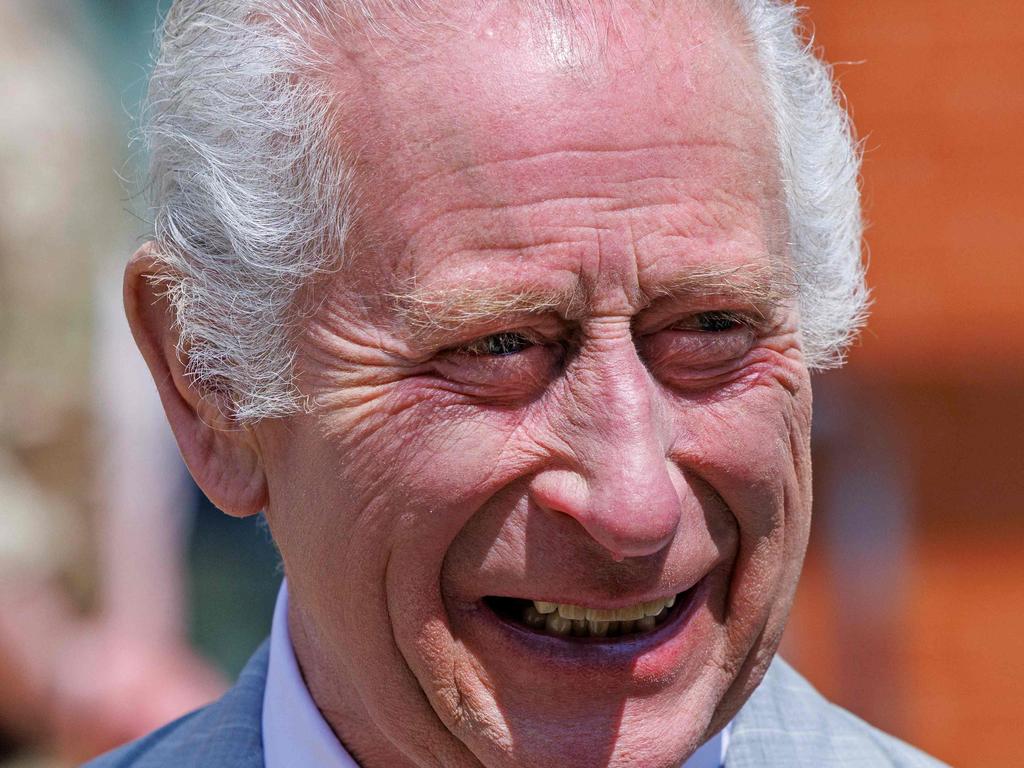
820	163
251	197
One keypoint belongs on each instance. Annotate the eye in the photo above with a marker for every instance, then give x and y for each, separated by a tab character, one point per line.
690	352
497	345
717	322
507	367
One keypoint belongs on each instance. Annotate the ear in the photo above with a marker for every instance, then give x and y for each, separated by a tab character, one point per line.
222	455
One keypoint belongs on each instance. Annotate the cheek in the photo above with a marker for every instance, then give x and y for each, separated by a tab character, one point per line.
419	435
753	451
752	446
364	517
389	486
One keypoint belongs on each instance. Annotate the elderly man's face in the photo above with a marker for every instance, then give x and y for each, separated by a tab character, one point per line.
560	366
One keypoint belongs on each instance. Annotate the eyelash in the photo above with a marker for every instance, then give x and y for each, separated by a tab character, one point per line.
508	343
498	345
712	322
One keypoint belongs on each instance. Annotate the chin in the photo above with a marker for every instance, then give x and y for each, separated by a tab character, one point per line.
522	695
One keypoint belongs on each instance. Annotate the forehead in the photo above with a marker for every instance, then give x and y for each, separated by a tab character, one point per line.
516	134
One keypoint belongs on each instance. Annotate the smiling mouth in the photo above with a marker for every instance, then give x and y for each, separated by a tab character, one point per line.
574	621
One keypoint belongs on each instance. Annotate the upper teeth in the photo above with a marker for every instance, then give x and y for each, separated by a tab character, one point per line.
629	613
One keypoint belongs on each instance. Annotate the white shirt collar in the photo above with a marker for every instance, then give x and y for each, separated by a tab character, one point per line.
295	734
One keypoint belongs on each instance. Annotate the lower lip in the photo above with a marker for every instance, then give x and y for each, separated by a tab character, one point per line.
651	654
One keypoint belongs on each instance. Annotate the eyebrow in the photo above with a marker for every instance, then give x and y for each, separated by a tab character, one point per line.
426	311
760	287
450	309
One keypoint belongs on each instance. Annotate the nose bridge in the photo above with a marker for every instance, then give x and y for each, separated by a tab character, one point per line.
617	399
617	435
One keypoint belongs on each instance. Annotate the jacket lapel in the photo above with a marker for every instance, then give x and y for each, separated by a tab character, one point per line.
756	737
226	734
788	724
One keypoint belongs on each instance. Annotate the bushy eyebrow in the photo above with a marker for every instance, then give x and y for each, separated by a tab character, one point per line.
760	288
450	309
429	311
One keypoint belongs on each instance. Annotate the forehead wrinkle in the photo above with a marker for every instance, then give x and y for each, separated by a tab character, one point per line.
514	162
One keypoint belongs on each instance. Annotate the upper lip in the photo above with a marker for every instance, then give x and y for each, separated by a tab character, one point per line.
603	602
606	592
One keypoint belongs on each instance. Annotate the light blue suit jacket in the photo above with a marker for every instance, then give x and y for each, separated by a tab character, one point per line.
785	724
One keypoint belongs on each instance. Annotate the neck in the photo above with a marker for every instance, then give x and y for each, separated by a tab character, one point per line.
339	703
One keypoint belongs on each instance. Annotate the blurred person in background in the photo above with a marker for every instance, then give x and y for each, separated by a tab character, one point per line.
93	647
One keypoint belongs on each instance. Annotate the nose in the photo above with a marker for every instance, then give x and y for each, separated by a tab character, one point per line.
616	480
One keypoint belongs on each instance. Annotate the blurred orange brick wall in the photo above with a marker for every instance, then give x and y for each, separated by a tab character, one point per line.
936	89
937	92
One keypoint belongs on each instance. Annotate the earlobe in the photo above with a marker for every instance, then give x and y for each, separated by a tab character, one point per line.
222	455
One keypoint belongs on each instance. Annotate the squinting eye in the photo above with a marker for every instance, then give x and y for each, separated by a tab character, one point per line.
497	345
717	322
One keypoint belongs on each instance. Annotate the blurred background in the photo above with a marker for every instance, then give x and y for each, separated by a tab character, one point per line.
911	608
125	598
